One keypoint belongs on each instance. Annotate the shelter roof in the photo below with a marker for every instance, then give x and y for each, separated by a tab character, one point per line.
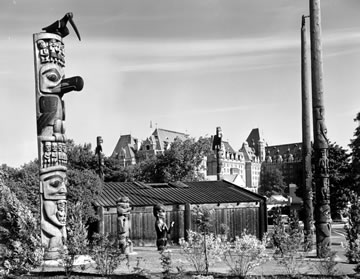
203	192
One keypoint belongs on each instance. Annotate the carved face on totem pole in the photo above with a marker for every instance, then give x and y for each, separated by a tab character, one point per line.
51	85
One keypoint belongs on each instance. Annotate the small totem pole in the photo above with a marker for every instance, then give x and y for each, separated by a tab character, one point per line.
160	227
123	225
216	146
98	152
50	87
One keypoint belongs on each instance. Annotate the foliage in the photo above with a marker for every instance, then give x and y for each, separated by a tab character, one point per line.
327	266
77	242
19	233
355	156
81	156
272	183
203	215
138	269
287	240
244	254
352	229
84	186
166	263
106	254
181	162
340	181
114	171
194	250
24	183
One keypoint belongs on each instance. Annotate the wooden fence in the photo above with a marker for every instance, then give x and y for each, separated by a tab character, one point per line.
143	233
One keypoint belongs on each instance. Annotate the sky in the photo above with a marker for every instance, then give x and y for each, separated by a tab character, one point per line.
187	66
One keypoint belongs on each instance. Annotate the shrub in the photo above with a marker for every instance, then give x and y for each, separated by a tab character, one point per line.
352	229
106	254
287	240
194	249
244	254
19	233
77	242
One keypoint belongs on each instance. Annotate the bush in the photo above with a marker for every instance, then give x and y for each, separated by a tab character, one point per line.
244	254
19	233
194	249
352	229
287	240
106	254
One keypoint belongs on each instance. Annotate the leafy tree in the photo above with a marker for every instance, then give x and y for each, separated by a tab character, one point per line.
352	230
355	157
340	181
181	162
81	156
114	171
272	182
24	182
19	234
84	187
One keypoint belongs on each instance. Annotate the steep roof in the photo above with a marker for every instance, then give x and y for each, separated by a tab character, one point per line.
228	147
203	192
253	138
163	135
126	142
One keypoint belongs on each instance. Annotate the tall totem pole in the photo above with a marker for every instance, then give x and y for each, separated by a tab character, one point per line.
50	87
321	143
217	147
306	141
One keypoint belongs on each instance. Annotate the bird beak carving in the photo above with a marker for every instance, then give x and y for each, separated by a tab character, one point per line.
74	26
70	84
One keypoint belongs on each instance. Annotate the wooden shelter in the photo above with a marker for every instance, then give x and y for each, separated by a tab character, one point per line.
234	207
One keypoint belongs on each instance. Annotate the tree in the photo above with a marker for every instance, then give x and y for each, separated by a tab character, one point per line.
272	182
81	157
181	162
340	180
355	157
84	187
24	183
19	233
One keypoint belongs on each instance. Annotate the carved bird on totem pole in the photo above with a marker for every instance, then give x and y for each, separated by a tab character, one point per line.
59	27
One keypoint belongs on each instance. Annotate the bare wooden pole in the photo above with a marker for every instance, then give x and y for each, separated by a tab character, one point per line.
306	142
322	208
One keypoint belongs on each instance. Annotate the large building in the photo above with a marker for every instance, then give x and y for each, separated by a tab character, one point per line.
285	157
242	167
130	151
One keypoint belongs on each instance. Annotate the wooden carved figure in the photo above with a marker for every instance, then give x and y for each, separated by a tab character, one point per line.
123	225
162	230
50	87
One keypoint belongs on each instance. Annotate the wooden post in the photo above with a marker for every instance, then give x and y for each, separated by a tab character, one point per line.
262	219
187	221
50	87
306	141
322	208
